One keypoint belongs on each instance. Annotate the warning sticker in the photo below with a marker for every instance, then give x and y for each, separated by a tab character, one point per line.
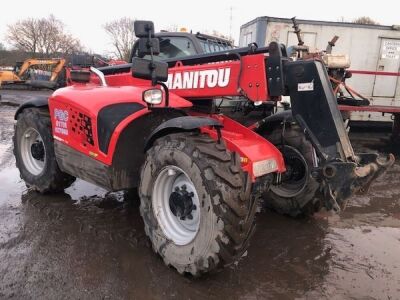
391	49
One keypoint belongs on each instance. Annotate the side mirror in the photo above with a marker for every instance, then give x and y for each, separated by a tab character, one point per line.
145	46
150	70
144	29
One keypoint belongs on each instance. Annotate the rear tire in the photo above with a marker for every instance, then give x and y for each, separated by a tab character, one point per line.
218	231
34	152
300	196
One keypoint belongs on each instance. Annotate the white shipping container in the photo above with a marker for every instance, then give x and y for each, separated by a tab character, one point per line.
370	48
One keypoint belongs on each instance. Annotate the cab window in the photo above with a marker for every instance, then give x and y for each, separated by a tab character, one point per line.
210	46
173	47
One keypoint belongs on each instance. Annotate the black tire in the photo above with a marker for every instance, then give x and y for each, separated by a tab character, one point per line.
51	178
227	210
305	201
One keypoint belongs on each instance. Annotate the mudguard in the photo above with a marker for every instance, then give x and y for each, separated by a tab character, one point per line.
186	123
38	101
256	152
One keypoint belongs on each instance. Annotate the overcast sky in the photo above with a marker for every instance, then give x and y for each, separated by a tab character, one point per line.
84	18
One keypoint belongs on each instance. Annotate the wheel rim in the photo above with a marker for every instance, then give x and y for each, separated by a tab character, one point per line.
295	179
33	152
176	205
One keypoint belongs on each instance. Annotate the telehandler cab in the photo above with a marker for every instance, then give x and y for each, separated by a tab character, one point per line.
200	174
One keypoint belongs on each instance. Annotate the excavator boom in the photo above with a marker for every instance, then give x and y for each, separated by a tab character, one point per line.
11	79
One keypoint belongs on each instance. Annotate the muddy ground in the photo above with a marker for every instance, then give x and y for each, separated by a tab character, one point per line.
87	244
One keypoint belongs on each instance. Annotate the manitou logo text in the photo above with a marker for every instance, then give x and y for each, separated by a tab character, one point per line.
199	79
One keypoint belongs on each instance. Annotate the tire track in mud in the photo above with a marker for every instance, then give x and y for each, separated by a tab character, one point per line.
6	133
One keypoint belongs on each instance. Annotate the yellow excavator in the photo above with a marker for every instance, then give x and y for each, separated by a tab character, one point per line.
31	72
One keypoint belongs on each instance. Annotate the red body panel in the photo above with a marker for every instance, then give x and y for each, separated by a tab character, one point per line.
229	78
69	106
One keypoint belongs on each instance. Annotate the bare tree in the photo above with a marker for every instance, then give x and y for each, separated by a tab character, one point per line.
2	47
122	35
67	44
55	40
365	20
24	35
45	36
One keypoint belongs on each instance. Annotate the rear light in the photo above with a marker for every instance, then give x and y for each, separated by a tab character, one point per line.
153	96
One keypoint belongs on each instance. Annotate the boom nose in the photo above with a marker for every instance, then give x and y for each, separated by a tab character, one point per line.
343	179
371	167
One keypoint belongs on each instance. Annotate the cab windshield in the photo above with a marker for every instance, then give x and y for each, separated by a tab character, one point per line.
214	45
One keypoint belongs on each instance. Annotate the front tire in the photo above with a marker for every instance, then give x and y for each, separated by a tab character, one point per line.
34	152
196	203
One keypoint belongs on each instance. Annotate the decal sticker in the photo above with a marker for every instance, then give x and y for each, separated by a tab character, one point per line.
61	117
199	79
305	87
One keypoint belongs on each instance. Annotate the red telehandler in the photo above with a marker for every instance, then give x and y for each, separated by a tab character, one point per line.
200	174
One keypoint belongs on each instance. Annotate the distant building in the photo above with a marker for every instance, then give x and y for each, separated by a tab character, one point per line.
370	48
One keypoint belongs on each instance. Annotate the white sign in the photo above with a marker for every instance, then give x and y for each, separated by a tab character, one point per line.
391	49
305	87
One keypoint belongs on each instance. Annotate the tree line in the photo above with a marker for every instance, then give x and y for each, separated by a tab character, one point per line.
46	37
42	36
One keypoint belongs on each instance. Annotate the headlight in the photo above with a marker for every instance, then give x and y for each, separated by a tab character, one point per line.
153	96
263	167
